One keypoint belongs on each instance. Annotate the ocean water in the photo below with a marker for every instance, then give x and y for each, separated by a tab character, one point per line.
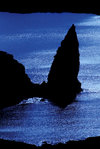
33	39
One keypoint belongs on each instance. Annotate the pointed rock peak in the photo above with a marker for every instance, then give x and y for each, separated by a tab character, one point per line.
72	29
62	78
70	39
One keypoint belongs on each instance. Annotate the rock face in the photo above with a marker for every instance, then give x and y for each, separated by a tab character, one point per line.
15	85
63	84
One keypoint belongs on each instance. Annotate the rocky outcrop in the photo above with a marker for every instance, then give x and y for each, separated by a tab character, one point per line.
63	84
15	84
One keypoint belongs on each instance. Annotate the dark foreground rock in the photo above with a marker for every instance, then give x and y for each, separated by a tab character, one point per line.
89	142
15	84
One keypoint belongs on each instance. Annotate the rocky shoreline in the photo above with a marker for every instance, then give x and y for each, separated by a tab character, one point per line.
89	142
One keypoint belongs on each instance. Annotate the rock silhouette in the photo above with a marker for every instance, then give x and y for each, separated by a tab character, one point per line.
62	82
62	85
15	84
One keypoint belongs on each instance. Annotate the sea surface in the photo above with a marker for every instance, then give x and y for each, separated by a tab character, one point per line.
33	39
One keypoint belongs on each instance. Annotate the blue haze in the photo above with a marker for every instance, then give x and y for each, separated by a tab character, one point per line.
33	39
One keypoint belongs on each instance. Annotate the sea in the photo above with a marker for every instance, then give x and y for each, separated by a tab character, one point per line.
33	39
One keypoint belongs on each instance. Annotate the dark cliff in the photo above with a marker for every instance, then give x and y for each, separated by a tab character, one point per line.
63	84
15	84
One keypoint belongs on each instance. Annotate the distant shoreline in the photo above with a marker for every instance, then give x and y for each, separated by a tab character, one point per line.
22	11
91	141
59	7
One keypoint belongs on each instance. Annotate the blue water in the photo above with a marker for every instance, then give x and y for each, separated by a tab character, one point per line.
33	39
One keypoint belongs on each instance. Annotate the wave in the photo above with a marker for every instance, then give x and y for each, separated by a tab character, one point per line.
34	100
